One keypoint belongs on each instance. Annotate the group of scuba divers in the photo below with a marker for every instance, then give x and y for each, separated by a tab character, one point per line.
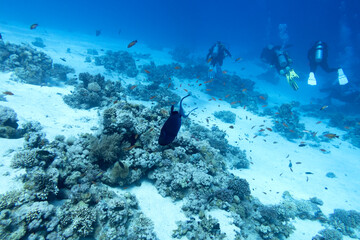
274	55
278	57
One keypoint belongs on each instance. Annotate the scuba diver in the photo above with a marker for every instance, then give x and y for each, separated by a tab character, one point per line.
276	56
318	55
215	57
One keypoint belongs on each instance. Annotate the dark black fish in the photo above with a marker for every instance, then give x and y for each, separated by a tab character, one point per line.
172	125
98	32
302	145
0	36
63	59
309	173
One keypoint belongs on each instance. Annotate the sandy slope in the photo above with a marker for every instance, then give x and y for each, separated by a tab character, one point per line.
269	175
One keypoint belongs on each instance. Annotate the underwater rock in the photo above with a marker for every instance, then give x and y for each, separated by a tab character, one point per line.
93	91
38	43
330	175
8	117
8	123
226	116
120	62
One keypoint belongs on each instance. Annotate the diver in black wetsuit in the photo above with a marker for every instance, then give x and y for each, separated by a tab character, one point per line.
318	55
215	57
277	57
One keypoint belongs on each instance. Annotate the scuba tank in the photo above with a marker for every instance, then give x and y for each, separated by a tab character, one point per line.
283	62
319	52
215	50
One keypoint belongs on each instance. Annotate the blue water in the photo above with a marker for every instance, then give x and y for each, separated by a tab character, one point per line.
245	26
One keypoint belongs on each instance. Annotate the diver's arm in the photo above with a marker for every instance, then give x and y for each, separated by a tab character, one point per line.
227	52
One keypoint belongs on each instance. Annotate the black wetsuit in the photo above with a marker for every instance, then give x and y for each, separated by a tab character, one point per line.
323	63
221	54
271	56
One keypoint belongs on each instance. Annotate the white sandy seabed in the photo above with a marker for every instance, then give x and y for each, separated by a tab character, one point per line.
269	174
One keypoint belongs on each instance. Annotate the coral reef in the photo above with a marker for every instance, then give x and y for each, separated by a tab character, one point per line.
61	200
286	122
30	65
38	43
93	91
226	116
206	228
347	222
121	62
328	234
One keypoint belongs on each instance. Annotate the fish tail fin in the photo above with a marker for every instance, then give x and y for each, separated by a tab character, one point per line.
189	113
181	110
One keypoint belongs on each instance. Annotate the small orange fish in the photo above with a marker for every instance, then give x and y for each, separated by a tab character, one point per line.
151	129
264	106
177	67
116	101
224	72
291	131
220	99
213	98
180	84
185	90
152	97
261	130
314	134
277	113
346	127
169	85
198	76
331	135
208	89
224	83
244	90
8	93
209	60
262	97
318	122
200	84
323	150
136	136
210	70
285	125
227	96
132	87
209	81
232	103
129	148
244	106
33	26
269	129
132	43
238	59
147	71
